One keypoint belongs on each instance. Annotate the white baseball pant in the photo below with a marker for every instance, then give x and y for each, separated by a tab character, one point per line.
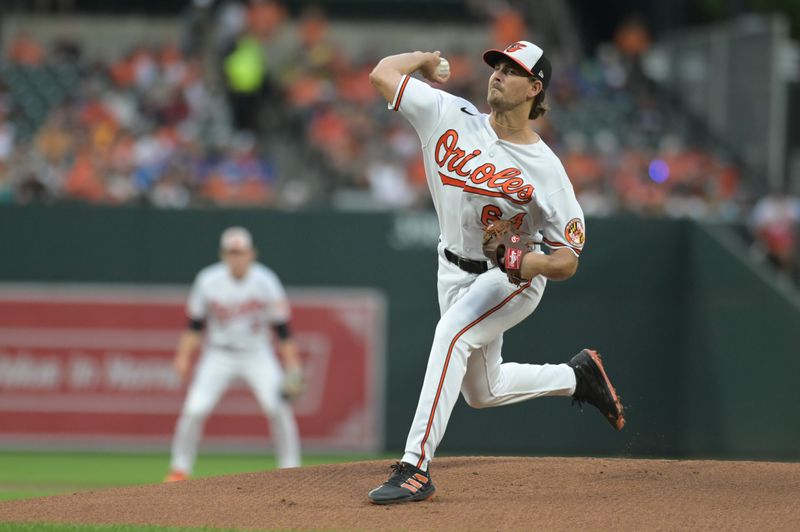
465	357
215	372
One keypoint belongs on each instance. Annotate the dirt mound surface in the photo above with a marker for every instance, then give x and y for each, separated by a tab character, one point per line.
486	493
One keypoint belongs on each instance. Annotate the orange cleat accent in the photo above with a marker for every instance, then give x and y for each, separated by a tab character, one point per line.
593	386
404	485
176	476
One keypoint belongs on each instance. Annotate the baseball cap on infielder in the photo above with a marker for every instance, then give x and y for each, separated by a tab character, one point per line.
527	55
236	239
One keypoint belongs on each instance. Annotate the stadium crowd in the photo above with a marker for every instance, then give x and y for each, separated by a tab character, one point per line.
150	126
142	128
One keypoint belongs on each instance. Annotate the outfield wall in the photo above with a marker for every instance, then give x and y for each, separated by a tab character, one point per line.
699	343
92	366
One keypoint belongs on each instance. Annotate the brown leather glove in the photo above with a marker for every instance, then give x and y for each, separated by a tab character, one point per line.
293	385
505	247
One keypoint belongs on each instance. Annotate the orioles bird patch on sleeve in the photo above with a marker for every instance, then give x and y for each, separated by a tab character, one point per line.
574	232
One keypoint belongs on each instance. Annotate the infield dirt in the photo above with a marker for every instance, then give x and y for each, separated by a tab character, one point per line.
480	493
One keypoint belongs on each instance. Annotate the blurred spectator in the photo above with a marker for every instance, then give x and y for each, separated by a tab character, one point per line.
245	62
775	222
265	17
6	186
24	50
508	25
245	73
389	183
6	137
632	37
231	21
242	178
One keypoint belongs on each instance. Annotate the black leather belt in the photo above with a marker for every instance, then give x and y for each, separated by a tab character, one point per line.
468	265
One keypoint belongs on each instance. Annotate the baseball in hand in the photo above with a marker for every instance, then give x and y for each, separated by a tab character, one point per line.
443	69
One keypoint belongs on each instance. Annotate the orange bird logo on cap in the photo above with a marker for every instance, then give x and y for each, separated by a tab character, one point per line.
514	47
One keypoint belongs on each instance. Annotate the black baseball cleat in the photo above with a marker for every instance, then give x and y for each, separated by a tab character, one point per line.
406	483
593	386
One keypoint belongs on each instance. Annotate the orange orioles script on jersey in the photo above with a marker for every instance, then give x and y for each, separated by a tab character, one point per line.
506	183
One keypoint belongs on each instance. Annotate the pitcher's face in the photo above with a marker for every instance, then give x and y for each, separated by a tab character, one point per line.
510	86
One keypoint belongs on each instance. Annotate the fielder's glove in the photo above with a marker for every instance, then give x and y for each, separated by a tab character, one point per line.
505	247
294	384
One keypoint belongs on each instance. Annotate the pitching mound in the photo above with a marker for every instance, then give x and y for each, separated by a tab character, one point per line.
473	494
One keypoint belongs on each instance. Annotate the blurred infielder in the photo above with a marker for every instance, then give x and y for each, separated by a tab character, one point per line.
237	302
494	182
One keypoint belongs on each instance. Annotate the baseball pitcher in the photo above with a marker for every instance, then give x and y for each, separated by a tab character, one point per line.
236	302
495	184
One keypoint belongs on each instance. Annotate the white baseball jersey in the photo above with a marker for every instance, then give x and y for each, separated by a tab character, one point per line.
475	177
238	312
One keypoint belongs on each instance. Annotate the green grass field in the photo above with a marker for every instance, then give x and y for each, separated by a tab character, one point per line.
36	474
